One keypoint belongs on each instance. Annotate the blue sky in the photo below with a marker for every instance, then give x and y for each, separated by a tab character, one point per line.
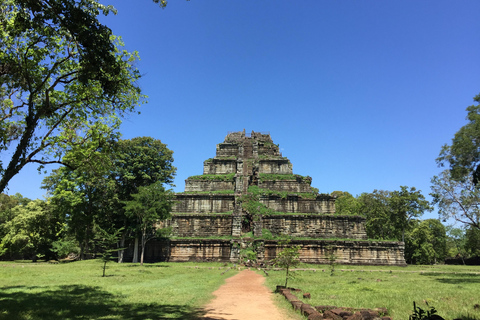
360	95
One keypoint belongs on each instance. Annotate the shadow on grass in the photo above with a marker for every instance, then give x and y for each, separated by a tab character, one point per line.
453	278
82	302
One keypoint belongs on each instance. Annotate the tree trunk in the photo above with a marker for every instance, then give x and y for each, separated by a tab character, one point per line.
121	244
135	251
286	279
144	240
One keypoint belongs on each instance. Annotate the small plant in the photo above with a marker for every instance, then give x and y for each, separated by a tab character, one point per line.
288	258
420	314
332	258
106	243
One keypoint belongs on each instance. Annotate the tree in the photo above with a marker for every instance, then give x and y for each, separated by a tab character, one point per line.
457	199
407	204
425	243
463	155
389	213
472	242
378	213
150	204
94	194
65	82
345	203
456	242
85	197
287	258
106	243
31	231
138	162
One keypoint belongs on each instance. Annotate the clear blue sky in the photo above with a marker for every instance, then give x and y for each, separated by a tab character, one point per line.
360	95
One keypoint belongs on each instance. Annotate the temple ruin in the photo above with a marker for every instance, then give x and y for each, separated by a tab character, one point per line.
248	197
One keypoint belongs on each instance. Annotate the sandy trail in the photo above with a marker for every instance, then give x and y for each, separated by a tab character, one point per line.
243	297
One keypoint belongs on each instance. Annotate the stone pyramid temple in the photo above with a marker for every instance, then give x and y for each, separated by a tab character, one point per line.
248	198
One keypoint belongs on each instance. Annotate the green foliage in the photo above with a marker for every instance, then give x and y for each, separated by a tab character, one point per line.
106	242
287	258
142	161
463	155
30	231
65	82
426	242
332	259
420	314
457	199
150	204
163	233
346	204
472	241
64	246
267	235
256	191
214	177
280	177
94	194
456	241
389	213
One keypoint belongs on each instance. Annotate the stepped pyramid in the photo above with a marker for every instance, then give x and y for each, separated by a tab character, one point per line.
249	196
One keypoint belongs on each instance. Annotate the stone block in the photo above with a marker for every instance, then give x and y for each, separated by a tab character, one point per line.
307	310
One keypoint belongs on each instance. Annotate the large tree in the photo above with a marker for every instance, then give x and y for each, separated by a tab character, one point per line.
31	231
463	155
389	213
64	82
407	204
151	204
426	242
457	199
378	213
94	195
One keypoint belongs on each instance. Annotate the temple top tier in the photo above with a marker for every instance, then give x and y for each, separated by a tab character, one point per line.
247	146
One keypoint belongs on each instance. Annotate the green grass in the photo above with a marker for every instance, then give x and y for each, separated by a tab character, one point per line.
179	290
77	290
452	290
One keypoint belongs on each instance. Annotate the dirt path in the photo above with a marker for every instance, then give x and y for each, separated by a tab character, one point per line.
243	297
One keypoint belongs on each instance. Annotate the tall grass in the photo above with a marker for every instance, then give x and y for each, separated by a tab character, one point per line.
78	291
452	290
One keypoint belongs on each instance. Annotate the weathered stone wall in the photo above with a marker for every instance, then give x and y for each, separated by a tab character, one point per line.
285	185
316	226
200	225
346	252
295	204
220	166
312	251
208	185
200	250
280	166
203	203
227	149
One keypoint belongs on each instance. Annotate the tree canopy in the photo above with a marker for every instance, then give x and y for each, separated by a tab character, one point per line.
65	82
463	155
93	197
457	199
150	204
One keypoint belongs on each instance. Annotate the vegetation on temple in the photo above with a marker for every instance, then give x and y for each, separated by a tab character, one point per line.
214	177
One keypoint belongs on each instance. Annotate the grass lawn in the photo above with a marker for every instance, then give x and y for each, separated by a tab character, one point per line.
77	290
178	290
452	290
